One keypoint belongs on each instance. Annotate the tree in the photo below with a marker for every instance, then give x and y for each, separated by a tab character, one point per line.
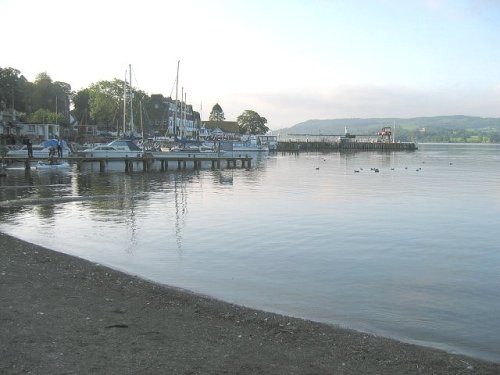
105	105
13	89
106	102
49	95
44	116
217	114
250	122
81	106
43	94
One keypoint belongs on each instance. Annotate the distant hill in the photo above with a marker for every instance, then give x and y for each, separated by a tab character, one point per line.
365	125
431	129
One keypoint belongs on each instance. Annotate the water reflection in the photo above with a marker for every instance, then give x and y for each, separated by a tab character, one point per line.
23	189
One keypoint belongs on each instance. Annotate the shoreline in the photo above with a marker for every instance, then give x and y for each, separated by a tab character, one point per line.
63	314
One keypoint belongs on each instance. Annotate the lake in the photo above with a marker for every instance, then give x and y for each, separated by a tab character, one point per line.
410	252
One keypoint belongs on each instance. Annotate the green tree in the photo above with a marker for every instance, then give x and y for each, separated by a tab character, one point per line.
62	92
43	93
44	116
102	104
49	95
13	90
81	106
106	103
250	122
217	114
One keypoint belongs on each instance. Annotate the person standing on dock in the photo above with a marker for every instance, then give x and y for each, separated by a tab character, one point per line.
29	146
59	148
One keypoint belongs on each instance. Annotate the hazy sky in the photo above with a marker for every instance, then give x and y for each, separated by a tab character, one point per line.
289	60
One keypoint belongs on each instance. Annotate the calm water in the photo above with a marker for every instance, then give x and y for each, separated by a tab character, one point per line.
411	252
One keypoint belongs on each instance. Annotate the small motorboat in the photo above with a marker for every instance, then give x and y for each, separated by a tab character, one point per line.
52	165
119	148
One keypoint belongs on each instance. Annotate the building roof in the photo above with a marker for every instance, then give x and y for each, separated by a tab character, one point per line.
225	126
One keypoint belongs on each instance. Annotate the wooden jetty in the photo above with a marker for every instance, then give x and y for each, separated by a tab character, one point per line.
297	146
149	161
383	140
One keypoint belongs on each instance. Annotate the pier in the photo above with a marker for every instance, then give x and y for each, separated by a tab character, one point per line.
296	146
384	140
148	162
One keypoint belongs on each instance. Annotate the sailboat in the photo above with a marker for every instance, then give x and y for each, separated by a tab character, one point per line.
128	96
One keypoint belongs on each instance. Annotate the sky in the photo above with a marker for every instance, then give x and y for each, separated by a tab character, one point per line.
288	60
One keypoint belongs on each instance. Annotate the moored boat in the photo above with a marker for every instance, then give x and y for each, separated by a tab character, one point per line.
271	141
243	146
52	164
42	150
119	148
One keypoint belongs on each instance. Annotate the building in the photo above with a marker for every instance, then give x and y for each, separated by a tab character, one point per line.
222	128
11	128
39	132
164	121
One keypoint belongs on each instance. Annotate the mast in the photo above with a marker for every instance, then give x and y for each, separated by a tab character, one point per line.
198	126
142	125
124	102
185	111
394	132
176	101
131	102
183	125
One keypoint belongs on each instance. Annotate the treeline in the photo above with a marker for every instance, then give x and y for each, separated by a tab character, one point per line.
48	101
101	104
40	101
443	135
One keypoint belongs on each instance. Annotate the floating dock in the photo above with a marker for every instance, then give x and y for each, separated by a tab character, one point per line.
148	162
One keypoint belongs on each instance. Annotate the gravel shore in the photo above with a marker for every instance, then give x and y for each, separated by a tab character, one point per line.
64	315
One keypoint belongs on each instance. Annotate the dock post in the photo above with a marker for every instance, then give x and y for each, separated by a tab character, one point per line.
129	166
102	165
